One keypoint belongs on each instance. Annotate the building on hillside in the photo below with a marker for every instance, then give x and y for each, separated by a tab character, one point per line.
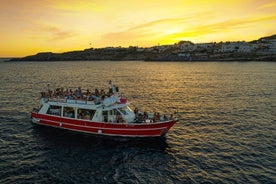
272	46
241	47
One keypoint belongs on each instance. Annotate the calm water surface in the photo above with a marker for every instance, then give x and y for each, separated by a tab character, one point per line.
227	133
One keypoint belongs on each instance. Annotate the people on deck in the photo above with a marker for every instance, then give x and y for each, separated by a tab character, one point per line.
97	97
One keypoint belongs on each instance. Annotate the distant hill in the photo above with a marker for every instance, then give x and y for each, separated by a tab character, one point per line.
267	38
263	49
5	59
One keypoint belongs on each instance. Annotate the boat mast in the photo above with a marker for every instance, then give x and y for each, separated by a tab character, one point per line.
115	92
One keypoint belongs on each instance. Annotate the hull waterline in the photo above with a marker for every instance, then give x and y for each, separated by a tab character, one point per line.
100	128
98	113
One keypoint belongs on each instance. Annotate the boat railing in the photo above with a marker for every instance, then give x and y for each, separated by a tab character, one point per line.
78	101
71	101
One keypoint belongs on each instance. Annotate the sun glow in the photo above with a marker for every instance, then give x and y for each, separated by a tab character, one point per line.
34	26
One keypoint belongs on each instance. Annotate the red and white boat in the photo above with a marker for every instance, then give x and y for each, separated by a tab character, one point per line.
86	112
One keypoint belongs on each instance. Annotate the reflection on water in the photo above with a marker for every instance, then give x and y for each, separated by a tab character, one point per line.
226	133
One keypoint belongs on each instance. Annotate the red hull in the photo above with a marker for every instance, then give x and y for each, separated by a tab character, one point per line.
112	129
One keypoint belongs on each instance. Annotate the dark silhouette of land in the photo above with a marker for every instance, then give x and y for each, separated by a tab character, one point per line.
263	49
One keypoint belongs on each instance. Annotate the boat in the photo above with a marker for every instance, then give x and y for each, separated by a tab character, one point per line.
98	113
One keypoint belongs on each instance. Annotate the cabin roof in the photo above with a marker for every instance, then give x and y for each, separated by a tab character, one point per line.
85	105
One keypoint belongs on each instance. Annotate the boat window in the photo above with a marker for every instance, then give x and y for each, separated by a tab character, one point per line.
117	112
123	110
86	114
69	112
105	116
54	110
111	112
119	118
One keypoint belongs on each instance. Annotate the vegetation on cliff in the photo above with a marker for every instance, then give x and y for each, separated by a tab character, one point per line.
263	49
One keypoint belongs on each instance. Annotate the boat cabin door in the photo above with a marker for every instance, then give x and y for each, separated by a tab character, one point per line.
109	116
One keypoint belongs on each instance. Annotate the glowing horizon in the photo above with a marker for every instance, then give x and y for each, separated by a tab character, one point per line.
29	27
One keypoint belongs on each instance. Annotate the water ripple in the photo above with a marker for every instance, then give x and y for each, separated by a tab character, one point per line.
226	132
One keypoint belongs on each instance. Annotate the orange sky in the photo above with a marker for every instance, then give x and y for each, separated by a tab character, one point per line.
31	26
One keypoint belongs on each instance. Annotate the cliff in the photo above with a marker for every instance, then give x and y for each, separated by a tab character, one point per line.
263	49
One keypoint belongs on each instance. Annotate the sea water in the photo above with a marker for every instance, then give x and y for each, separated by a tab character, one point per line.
227	131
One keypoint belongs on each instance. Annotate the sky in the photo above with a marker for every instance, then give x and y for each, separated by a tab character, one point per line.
32	26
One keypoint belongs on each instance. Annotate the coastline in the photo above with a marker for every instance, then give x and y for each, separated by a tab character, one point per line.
263	49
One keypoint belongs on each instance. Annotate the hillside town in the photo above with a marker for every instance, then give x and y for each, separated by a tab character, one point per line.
263	49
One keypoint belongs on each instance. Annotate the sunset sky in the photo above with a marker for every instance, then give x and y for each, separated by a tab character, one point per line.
32	26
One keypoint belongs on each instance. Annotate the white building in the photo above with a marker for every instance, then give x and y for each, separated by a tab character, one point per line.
186	46
272	46
242	47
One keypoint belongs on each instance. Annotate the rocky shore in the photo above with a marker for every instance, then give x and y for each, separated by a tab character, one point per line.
263	49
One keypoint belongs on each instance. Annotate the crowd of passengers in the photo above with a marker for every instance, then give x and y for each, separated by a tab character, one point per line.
144	117
78	94
97	96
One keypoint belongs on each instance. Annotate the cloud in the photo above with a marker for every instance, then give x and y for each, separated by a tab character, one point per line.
173	29
56	33
231	24
268	5
156	23
172	22
76	5
233	29
51	33
154	29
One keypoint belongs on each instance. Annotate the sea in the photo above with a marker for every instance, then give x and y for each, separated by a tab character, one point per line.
226	132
